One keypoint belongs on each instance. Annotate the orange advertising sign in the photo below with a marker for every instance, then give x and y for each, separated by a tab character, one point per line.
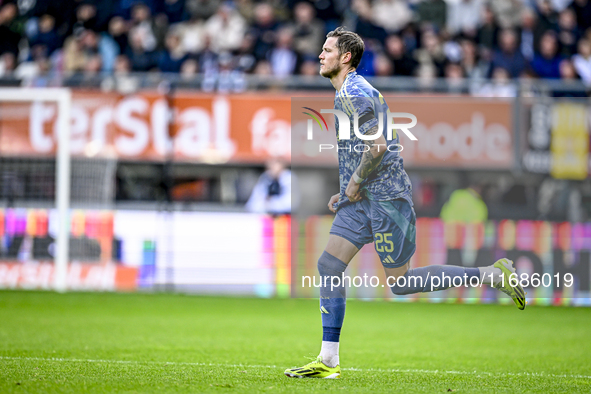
216	128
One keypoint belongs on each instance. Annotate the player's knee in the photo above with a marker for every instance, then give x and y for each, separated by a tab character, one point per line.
328	265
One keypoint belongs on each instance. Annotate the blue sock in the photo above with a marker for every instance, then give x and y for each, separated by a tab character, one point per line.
433	278
332	298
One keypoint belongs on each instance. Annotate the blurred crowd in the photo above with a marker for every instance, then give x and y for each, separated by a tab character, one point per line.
454	39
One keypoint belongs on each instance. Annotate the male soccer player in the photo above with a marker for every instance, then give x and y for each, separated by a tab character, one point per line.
374	205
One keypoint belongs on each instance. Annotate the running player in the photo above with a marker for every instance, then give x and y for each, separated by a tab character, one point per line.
374	205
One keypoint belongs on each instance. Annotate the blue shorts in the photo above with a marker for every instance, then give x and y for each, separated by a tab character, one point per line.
390	224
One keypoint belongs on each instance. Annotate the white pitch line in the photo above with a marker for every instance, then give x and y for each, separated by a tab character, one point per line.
476	373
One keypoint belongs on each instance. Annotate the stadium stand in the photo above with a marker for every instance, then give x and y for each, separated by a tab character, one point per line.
422	38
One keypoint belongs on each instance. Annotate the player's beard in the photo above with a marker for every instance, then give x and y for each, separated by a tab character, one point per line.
329	72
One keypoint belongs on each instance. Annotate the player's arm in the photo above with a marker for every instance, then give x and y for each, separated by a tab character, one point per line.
371	158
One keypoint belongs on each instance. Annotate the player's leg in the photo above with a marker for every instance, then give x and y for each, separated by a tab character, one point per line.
333	298
348	234
395	243
331	266
441	277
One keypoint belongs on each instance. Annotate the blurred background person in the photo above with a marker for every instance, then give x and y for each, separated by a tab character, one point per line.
508	55
465	206
273	192
582	60
546	63
308	30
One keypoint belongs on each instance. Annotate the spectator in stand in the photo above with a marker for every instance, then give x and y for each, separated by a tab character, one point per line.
488	32
547	17
326	11
35	73
264	30
560	5
433	13
308	30
410	36
86	43
383	66
91	73
426	74
263	68
208	60
47	35
507	12
9	30
189	69
7	64
475	67
174	11
546	63
246	9
451	47
309	67
86	17
582	61
567	71
528	34
192	34
231	77
245	60
366	65
282	57
118	32
508	55
499	86
202	9
226	28
105	10
392	15
403	63
464	16
454	77
142	28
363	22
108	49
125	7
431	53
123	81
140	58
173	56
78	48
122	65
568	32
571	83
582	9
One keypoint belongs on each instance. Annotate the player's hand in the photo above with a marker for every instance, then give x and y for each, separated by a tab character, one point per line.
352	191
333	200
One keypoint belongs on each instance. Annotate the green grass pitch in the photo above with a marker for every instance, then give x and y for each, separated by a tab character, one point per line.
104	342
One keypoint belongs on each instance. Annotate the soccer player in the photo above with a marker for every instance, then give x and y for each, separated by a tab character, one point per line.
374	205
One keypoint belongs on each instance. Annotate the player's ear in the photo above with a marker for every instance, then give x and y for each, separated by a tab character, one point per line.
346	57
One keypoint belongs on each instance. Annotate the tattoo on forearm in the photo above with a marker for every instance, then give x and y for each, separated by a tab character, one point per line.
368	161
